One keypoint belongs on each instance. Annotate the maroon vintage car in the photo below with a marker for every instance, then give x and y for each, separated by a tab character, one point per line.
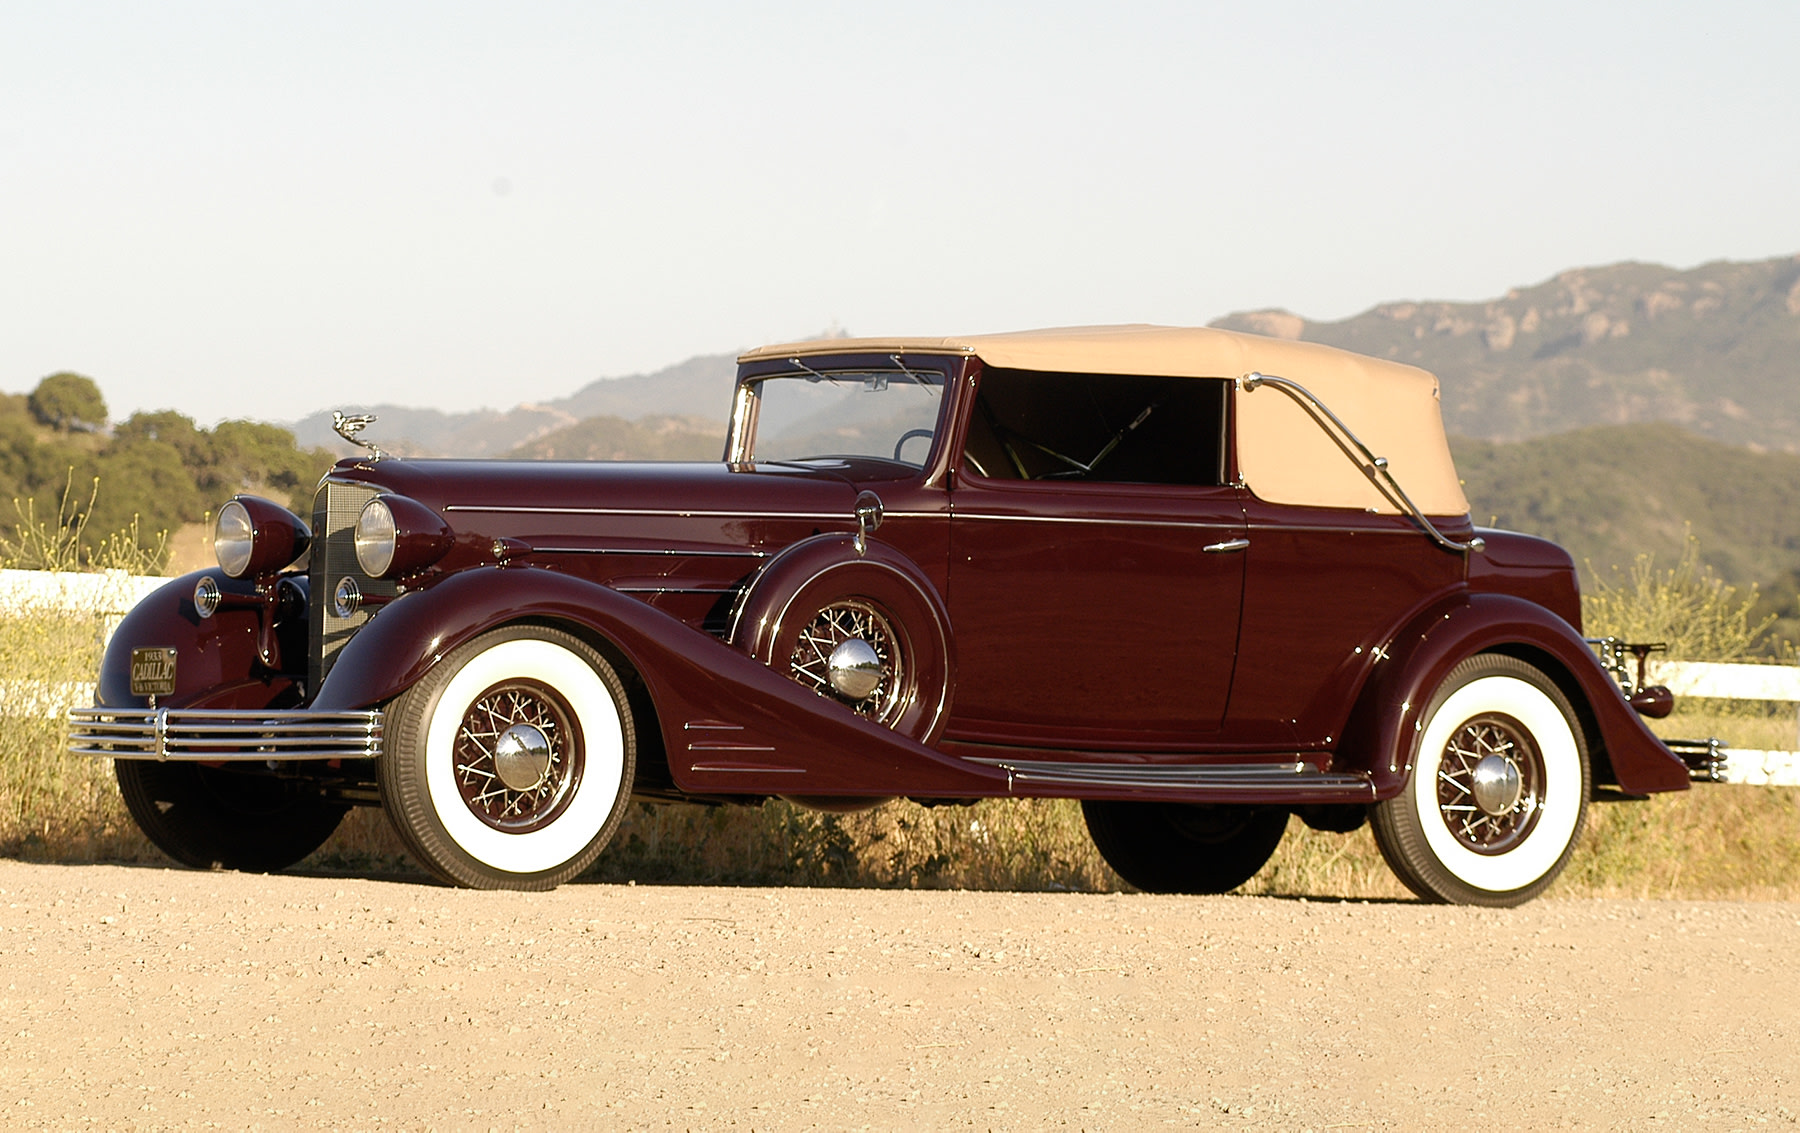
1158	570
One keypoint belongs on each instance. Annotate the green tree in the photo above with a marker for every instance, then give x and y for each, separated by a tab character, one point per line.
148	482
252	456
169	427
68	401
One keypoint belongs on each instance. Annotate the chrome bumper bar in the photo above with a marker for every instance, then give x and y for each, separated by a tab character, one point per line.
1705	759
210	735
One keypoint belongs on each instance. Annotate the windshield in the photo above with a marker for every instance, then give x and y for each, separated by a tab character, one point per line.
891	414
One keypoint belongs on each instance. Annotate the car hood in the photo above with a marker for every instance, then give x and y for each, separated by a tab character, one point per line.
494	487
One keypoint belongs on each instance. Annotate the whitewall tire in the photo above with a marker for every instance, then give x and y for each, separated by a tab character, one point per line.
1498	791
509	765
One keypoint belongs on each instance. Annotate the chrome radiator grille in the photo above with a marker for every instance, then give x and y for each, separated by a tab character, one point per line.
333	556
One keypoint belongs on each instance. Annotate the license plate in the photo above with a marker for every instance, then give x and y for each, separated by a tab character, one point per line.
152	672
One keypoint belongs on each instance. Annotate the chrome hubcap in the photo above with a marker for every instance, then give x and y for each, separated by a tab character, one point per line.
1496	784
854	668
850	651
522	757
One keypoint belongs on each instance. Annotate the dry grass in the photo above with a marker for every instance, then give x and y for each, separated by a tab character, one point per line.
51	805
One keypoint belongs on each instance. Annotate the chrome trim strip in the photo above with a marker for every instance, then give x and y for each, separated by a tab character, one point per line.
544	549
1329	529
1374	467
224	735
676	589
660	513
1100	521
1294	775
744	770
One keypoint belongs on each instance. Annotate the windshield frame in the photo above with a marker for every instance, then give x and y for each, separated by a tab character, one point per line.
939	373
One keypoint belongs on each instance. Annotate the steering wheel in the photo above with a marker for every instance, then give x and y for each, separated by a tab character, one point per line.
907	436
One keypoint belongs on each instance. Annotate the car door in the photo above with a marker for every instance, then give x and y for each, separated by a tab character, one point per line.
1094	613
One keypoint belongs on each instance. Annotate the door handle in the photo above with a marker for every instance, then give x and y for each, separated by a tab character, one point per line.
1226	547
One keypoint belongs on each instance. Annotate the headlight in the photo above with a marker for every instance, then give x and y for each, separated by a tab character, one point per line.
375	538
234	539
397	537
254	537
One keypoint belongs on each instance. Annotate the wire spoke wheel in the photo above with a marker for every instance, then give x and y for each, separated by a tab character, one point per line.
1490	784
518	756
819	658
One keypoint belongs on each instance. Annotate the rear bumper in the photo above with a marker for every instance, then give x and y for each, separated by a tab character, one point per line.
205	735
1705	759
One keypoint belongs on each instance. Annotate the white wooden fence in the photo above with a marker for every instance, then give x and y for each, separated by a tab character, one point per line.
1777	683
115	593
112	594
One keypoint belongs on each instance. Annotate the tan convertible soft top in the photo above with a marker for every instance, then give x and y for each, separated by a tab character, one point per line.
1283	454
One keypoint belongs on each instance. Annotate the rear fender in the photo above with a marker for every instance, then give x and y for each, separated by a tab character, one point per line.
1383	732
730	724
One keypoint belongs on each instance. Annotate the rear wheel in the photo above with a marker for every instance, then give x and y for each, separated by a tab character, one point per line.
1184	847
1498	792
509	765
225	817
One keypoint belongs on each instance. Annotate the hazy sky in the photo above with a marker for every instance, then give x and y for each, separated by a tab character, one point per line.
265	209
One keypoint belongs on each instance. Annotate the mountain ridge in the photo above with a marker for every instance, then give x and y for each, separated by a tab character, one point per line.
1714	349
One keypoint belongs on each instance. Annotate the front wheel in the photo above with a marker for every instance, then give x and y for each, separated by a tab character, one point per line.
1498	791
510	763
1184	847
230	817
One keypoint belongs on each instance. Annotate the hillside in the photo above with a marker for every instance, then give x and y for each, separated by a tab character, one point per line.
613	438
1715	350
697	388
1609	493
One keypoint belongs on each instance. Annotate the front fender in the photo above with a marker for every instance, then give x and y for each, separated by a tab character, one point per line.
216	662
730	724
1382	736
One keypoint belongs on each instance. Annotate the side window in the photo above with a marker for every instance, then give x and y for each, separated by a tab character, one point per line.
1032	425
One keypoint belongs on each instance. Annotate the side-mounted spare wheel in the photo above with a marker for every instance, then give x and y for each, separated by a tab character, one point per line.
230	817
1498	791
509	765
867	632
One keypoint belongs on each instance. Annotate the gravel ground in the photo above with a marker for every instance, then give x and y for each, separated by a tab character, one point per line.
151	998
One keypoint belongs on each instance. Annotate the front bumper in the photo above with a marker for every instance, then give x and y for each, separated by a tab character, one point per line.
210	735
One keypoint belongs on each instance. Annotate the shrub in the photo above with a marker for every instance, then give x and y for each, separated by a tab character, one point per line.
1686	605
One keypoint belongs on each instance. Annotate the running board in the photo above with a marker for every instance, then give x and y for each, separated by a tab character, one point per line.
1252	782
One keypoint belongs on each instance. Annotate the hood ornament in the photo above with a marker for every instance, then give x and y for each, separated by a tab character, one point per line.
350	425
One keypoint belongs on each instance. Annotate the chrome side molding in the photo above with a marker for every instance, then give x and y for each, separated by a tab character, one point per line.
1292	780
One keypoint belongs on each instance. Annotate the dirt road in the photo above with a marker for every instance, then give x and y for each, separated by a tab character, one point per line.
147	998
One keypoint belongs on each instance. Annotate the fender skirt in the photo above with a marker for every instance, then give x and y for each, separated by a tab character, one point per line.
1382	734
730	724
